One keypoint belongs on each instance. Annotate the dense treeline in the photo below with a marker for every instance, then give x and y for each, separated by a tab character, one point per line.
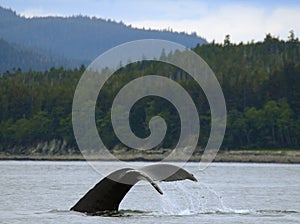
260	82
36	107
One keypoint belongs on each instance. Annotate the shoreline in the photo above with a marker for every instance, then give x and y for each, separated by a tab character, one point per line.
239	156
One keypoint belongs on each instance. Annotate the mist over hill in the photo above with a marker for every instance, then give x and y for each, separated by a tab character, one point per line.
13	56
79	38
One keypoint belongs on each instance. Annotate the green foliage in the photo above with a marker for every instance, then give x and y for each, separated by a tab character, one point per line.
260	82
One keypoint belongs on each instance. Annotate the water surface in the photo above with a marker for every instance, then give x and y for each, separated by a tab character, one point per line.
43	192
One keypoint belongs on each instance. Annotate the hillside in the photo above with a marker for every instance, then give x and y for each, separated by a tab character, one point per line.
14	57
260	82
80	38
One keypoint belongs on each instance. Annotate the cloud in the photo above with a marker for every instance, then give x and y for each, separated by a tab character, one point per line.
242	22
283	20
115	9
39	12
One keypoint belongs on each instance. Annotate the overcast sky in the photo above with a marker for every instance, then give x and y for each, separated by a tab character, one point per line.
243	20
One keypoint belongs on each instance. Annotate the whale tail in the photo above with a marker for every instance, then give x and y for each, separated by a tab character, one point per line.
110	191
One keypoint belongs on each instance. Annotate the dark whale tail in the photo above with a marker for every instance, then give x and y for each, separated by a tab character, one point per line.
109	192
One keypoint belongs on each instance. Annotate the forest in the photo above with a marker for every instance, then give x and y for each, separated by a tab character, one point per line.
260	82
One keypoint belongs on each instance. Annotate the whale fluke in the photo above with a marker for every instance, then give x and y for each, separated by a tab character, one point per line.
109	192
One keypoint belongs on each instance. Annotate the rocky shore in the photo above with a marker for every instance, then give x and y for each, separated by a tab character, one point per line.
255	156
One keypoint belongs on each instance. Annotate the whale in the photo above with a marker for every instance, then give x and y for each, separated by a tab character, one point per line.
107	194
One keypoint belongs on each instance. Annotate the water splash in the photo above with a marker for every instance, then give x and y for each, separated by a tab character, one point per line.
213	199
186	199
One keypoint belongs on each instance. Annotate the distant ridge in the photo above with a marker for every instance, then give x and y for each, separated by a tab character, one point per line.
13	57
78	38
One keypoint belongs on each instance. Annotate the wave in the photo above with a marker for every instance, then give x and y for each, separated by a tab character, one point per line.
234	212
186	212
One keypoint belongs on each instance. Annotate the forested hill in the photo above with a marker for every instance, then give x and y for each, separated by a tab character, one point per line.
13	56
260	81
78	37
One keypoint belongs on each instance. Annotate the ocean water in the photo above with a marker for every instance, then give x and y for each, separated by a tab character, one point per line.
43	192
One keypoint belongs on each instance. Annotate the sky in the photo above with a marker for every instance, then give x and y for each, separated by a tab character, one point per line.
243	20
